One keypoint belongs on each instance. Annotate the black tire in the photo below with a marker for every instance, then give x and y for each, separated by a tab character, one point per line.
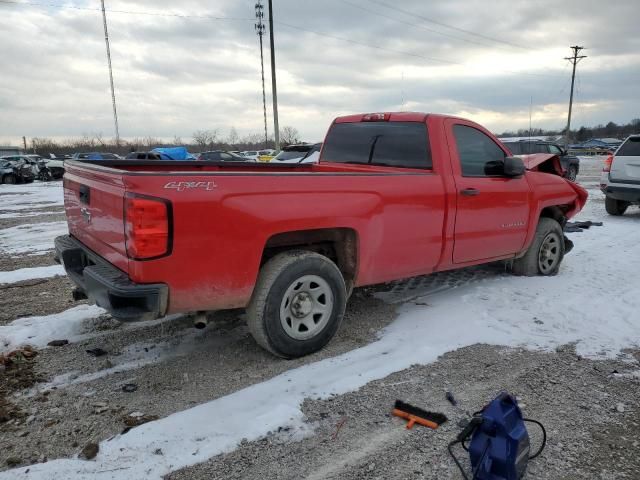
276	280
615	207
572	173
10	179
546	252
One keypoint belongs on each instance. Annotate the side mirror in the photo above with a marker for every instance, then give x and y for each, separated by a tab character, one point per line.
513	167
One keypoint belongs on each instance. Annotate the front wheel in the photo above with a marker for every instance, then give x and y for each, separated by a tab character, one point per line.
10	179
545	253
572	173
615	207
298	304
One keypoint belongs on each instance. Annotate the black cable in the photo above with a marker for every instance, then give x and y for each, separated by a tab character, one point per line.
455	459
544	437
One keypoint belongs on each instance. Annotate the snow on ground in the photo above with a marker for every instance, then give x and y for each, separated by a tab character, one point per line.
31	274
31	237
38	331
20	198
188	343
593	303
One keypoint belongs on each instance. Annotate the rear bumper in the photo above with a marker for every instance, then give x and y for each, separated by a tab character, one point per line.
625	194
109	287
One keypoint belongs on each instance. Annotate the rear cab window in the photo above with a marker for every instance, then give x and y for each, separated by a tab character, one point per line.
390	144
630	148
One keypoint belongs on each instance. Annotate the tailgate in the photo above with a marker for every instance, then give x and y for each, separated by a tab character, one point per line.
94	204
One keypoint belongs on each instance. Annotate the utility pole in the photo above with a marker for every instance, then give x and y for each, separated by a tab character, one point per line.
24	142
260	28
273	78
113	94
574	60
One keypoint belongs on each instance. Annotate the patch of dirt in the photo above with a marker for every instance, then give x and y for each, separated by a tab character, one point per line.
55	214
35	298
26	261
16	373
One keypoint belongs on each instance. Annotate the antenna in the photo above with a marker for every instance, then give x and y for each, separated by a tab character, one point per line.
113	93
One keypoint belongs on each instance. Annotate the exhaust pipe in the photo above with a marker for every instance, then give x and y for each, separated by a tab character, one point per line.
78	294
200	321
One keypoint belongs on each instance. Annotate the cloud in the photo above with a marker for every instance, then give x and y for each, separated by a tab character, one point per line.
187	71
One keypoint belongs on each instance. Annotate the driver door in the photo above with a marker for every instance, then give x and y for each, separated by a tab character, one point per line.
492	209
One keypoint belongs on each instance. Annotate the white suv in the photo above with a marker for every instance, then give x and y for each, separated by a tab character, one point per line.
620	180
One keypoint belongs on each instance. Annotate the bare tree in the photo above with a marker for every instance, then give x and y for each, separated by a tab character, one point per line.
177	140
289	135
233	137
206	138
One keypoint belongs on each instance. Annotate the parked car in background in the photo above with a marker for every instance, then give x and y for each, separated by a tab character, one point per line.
222	156
42	168
570	163
301	153
96	156
147	156
56	167
620	180
252	154
15	171
266	155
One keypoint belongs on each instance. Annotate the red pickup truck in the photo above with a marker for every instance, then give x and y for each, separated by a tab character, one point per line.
394	195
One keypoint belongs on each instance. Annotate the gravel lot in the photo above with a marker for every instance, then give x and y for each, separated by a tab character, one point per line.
64	398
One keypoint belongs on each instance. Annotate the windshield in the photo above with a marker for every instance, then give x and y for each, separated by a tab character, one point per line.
291	154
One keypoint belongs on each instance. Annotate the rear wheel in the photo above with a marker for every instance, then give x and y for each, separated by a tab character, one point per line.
545	253
10	179
615	207
298	304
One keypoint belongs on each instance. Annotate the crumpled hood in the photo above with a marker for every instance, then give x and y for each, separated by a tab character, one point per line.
543	162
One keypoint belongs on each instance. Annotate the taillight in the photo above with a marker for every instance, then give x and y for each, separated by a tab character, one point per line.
607	163
376	117
147	227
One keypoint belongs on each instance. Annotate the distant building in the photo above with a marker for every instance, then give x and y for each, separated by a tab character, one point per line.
7	150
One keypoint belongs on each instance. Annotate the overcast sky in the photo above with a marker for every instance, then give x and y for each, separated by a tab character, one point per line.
486	60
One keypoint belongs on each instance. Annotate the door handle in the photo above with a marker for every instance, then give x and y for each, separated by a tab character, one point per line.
470	192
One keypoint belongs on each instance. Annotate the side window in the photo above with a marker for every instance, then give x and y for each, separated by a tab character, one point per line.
541	148
479	155
226	156
555	150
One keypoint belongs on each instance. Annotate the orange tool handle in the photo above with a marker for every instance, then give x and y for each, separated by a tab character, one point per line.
412	419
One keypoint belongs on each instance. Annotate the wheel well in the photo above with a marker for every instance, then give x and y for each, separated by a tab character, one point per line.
338	244
557	212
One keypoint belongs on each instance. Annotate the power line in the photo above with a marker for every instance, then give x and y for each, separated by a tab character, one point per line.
417	25
446	25
288	25
126	12
399	52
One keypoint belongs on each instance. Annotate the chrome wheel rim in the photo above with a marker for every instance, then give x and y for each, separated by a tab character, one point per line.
549	254
306	307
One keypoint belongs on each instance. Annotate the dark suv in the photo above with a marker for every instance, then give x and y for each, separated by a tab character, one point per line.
570	163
